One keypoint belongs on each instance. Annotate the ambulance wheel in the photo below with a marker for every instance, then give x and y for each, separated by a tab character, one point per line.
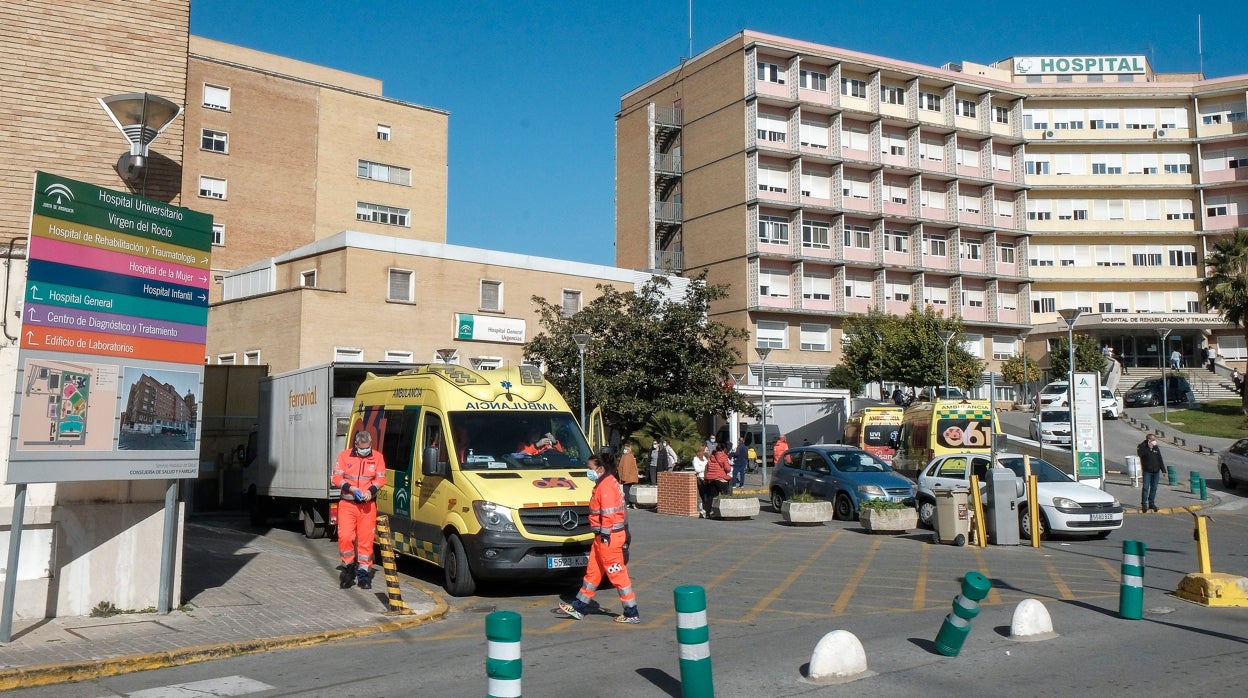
458	579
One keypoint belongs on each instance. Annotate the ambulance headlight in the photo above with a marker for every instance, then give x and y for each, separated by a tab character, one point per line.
494	517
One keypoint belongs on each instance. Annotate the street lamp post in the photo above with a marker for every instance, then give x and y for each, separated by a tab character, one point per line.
1163	333
763	352
947	336
581	340
1071	316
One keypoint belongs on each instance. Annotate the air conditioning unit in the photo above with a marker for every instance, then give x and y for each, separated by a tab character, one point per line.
1050	134
1160	133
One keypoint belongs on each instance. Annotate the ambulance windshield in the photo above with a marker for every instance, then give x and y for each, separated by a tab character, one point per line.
517	440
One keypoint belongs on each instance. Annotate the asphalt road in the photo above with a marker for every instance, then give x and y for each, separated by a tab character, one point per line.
773	591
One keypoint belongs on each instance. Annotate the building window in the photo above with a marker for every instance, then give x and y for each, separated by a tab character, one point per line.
1005	252
815	337
770	72
491	295
571	302
251	358
216	97
815	234
353	354
773	229
1001	115
227	359
215	141
852	87
929	101
384	173
398	356
218	234
211	187
892	94
965	107
402	286
812	80
387	215
307	279
772	334
383	132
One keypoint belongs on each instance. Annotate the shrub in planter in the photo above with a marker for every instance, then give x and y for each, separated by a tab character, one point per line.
805	509
882	516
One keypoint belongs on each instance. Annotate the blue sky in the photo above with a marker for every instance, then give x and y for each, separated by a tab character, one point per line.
533	87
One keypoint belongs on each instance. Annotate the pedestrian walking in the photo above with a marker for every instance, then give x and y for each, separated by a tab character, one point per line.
358	474
1151	464
740	464
608	520
628	474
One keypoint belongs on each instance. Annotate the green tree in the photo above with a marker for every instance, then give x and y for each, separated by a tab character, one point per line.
1226	285
647	353
1088	357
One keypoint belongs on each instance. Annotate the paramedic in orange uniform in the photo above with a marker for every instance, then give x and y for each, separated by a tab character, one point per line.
359	473
606	556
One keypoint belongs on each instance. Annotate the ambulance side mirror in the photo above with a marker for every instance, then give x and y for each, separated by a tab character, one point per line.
430	465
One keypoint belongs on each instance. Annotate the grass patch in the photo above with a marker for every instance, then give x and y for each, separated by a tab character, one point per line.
1221	418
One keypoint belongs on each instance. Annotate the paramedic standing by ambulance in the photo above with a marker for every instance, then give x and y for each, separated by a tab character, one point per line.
606	556
359	473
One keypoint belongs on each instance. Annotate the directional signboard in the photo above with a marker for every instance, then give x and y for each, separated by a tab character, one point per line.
110	373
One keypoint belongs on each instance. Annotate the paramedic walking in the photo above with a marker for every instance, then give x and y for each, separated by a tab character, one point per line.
358	474
607	555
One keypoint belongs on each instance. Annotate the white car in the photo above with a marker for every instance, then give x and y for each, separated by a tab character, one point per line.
1055	395
1050	425
1066	506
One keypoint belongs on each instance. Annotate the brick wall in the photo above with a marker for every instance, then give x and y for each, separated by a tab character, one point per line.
678	493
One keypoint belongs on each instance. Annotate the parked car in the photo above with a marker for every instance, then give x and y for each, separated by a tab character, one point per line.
1066	506
1055	394
1050	425
1233	464
1148	392
843	475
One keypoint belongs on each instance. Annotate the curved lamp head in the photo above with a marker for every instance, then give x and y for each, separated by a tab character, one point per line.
141	117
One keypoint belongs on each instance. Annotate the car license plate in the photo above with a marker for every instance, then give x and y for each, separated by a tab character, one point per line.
1102	517
559	562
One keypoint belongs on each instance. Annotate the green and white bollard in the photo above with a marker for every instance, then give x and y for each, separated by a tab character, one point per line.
502	662
1131	591
957	625
694	637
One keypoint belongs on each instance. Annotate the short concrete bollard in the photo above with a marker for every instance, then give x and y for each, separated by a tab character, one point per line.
502	663
838	655
957	625
1131	590
1031	621
694	636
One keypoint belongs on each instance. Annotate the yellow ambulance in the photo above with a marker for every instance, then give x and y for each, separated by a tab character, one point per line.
930	429
485	472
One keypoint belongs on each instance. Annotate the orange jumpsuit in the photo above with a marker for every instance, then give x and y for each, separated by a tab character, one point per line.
606	516
357	520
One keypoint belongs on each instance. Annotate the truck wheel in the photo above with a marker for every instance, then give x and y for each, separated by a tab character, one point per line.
458	579
311	527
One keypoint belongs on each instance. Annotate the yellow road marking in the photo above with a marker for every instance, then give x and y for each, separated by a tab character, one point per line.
788	581
851	584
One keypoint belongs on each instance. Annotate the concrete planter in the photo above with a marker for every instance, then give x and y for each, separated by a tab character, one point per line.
889	520
646	496
806	513
727	508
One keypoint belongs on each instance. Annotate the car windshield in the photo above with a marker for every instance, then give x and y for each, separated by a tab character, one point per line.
1043	470
857	462
1055	416
517	440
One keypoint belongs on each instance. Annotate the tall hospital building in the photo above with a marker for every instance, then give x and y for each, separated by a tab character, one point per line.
820	182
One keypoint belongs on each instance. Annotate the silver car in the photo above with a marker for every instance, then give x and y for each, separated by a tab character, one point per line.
1233	464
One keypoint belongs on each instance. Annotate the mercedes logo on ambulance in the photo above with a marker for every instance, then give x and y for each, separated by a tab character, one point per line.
569	520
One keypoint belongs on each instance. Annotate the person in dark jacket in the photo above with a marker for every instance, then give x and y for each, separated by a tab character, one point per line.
1151	464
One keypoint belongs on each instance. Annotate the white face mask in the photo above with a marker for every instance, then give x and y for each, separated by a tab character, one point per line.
591	474
363	450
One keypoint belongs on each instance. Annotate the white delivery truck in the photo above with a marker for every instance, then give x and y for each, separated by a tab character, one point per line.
304	415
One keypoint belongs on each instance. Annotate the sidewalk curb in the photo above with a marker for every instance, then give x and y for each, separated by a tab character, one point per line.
51	674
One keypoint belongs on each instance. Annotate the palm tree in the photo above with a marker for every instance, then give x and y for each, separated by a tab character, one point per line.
1226	285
